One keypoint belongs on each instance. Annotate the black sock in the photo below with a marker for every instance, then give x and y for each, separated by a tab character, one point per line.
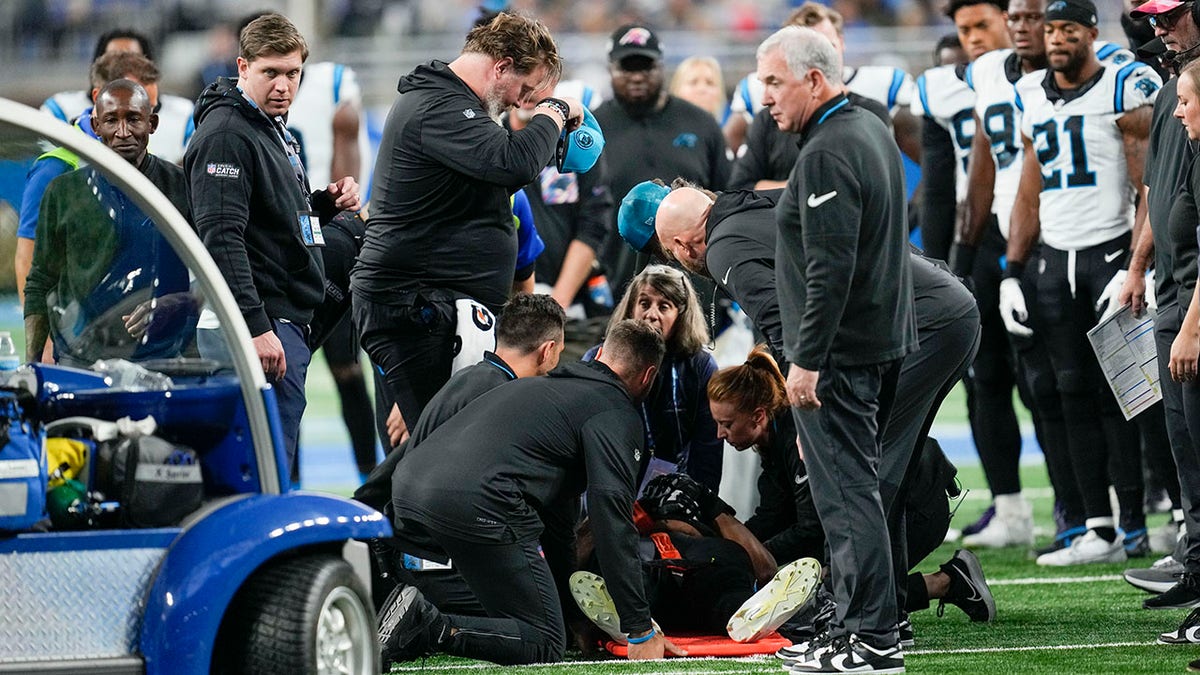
1108	534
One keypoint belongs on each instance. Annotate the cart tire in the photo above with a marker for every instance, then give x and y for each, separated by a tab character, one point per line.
304	615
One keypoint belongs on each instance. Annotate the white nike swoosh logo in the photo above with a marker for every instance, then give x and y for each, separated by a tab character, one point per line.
1108	257
814	201
725	278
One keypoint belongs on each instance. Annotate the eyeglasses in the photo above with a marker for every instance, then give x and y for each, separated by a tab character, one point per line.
1167	20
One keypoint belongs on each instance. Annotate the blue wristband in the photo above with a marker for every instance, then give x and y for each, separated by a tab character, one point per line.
644	638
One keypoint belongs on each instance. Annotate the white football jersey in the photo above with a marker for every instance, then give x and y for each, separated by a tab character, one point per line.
1086	196
890	86
325	86
945	98
993	77
175	124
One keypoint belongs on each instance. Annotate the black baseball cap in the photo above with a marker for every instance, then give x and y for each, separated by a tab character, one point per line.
1082	12
633	40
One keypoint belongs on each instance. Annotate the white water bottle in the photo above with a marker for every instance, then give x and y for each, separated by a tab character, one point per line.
9	361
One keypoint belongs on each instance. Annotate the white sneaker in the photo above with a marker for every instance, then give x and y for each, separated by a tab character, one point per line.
1011	526
1003	531
1162	539
1090	548
775	602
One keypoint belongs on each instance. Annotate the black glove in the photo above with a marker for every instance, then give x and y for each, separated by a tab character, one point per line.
676	496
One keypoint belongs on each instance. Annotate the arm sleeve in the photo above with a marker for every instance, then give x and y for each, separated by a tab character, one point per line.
938	186
595	207
706	452
610	440
752	285
830	235
220	205
754	164
478	147
40	174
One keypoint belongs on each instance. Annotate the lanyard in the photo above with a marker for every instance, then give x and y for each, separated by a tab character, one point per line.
291	147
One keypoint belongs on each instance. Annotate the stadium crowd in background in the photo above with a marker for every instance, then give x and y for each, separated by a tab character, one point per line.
805	214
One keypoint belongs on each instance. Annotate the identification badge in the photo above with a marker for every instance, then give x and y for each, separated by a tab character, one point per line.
310	229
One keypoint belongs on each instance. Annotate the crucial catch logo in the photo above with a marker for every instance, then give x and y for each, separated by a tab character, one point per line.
222	170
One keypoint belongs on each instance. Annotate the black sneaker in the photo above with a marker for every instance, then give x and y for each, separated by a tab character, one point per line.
1183	595
848	654
968	588
1188	632
907	638
802	651
409	626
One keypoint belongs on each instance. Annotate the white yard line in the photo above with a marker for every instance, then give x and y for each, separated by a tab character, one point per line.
1027	648
1031	581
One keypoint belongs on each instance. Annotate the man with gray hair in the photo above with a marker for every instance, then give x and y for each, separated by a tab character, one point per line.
846	304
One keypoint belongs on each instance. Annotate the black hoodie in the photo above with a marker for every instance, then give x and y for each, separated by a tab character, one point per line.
440	212
246	202
484	476
740	236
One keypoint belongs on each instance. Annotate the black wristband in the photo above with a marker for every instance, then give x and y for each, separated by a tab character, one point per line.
1014	270
558	105
962	259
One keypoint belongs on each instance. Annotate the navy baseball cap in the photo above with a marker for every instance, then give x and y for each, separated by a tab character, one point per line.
579	150
635	218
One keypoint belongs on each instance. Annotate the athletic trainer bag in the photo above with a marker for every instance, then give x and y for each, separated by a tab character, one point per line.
156	482
22	468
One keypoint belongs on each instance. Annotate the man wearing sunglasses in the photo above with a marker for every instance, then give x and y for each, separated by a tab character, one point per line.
1167	160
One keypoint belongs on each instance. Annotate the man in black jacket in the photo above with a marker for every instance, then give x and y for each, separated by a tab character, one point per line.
252	207
471	491
846	303
441	229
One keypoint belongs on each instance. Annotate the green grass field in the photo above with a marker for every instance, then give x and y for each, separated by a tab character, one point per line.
1065	620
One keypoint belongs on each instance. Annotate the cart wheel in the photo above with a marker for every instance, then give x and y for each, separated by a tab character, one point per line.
305	615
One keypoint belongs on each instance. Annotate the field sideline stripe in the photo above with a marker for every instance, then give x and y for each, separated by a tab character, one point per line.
1029	648
767	658
1030	581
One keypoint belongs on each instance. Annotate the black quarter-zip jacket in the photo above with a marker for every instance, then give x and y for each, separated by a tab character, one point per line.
841	263
484	476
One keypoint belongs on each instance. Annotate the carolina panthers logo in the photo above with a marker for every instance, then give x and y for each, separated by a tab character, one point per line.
482	318
1056	6
584	140
686	141
1147	86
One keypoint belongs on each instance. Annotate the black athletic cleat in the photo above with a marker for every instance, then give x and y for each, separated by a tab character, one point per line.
848	654
1188	632
1185	594
1137	543
409	626
968	588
